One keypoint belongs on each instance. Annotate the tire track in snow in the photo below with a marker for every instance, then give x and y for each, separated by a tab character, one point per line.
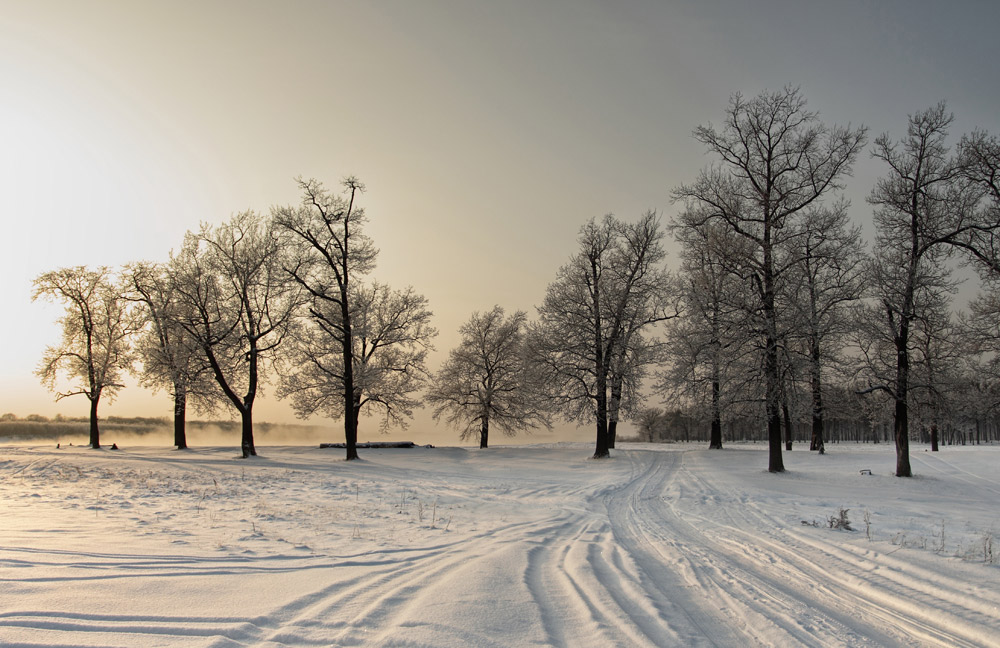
584	589
689	588
895	605
621	565
374	606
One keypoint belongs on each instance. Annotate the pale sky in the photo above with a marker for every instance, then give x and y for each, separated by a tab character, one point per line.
486	132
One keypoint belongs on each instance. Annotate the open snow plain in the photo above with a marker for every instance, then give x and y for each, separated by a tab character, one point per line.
662	545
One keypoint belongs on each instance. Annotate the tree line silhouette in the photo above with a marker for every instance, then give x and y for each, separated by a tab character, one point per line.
777	317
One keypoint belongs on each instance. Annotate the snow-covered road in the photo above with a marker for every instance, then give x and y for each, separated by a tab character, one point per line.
515	546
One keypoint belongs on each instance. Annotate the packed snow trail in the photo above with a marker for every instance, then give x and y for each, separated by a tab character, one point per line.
780	586
517	546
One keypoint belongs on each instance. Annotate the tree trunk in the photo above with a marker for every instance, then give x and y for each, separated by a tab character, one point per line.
351	427
602	450
603	447
247	444
350	398
787	420
772	409
350	430
249	449
95	433
180	414
901	424
715	440
484	433
901	432
614	408
934	437
816	443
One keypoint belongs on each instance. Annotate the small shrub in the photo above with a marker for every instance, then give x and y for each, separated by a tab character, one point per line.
840	520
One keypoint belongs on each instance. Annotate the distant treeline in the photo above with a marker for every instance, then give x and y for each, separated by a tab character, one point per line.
674	425
36	427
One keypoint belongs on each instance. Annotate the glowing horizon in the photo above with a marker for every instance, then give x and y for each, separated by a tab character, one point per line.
486	134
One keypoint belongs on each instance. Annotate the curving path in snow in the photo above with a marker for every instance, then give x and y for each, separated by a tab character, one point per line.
515	546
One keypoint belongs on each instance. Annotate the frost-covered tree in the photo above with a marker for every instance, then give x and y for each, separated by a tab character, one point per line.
238	304
651	422
391	334
592	319
979	164
170	357
775	159
486	381
925	210
939	357
827	278
326	230
706	348
94	353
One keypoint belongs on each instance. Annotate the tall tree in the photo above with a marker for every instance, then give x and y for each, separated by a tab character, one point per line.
238	303
94	352
651	422
925	209
169	355
485	379
827	279
939	356
332	250
706	345
609	291
775	160
391	333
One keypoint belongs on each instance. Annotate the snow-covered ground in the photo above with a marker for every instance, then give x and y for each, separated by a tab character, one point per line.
662	545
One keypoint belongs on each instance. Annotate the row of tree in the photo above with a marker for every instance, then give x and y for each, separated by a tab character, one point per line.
775	296
208	324
776	282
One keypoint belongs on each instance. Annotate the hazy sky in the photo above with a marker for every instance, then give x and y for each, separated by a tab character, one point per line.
486	132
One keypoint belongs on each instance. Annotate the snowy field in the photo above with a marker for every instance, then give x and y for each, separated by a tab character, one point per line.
662	545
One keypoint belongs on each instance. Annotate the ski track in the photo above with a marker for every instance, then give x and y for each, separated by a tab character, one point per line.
659	553
895	602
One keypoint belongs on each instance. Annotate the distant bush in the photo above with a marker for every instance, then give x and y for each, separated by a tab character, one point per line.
34	427
64	430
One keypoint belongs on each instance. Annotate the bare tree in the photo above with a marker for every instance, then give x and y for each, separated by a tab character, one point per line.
651	422
238	304
925	209
939	357
169	355
707	345
391	334
94	352
820	288
332	250
775	160
652	301
485	379
609	291
979	163
980	329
